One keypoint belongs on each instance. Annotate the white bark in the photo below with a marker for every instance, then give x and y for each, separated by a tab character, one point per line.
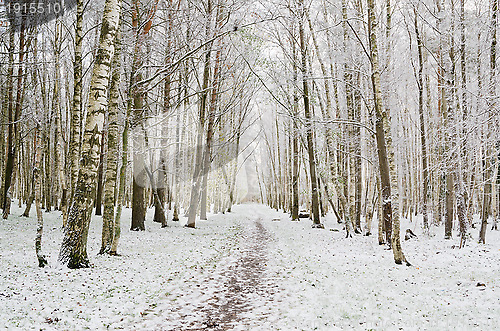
73	251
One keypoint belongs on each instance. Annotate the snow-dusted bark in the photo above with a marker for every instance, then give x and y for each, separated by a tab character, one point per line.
385	179
121	187
420	84
197	174
497	219
42	261
60	188
488	157
308	119
212	110
108	217
76	107
14	114
295	138
138	95
327	114
73	251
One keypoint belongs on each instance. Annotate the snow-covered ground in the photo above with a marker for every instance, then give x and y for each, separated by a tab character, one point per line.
245	271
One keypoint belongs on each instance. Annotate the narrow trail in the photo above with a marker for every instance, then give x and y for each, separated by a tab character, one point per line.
240	284
234	296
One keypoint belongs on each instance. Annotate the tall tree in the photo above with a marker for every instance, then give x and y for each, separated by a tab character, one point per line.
73	251
42	260
214	106
141	30
308	119
108	217
420	85
385	178
197	173
488	153
14	114
76	107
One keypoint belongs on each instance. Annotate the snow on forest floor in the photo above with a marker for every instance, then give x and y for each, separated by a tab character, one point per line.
244	271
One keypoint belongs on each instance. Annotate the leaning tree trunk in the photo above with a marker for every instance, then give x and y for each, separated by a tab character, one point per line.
9	163
73	251
308	118
385	181
14	116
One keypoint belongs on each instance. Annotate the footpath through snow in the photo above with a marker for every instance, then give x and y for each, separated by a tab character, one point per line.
242	271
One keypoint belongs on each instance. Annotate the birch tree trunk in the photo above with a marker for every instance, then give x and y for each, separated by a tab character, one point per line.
42	261
495	223
385	179
122	181
59	151
462	175
108	224
76	107
73	251
295	143
100	174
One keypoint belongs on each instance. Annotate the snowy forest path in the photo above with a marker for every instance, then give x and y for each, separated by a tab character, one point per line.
235	293
240	283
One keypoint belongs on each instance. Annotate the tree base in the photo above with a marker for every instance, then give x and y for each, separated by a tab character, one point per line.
318	226
42	262
79	264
